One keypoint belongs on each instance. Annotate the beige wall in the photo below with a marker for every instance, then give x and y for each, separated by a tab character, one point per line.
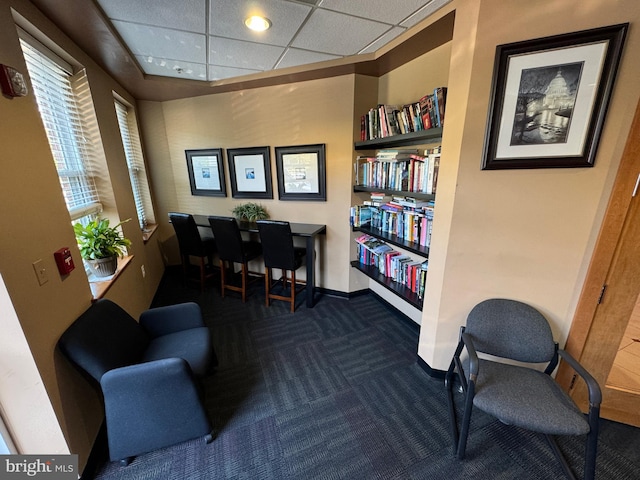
311	112
35	224
526	235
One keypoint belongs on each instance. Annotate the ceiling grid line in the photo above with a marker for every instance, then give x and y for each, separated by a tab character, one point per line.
182	39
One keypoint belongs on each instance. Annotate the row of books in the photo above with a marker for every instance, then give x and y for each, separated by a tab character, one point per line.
388	120
399	267
400	170
409	220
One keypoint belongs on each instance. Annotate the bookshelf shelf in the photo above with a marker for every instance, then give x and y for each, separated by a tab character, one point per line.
394	240
421	137
405	169
400	290
402	193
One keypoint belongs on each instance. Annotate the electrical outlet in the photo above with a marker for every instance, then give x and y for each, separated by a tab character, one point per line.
41	272
144	273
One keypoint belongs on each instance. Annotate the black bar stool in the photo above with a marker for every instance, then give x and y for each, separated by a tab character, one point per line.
278	252
192	243
232	249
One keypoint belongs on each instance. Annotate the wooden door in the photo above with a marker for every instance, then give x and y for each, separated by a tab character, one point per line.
611	298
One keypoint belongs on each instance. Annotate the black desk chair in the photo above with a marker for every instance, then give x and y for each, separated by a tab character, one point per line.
192	243
232	249
516	394
278	252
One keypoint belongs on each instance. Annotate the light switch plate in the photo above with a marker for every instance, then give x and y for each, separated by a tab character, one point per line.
41	272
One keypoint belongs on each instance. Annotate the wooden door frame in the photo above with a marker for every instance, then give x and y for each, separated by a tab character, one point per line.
604	250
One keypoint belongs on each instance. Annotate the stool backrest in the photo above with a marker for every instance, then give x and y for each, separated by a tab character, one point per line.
189	239
277	244
228	238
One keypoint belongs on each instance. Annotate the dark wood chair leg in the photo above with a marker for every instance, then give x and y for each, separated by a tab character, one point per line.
244	282
267	284
293	291
222	278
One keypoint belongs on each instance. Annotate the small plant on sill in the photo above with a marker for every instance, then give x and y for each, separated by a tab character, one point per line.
101	245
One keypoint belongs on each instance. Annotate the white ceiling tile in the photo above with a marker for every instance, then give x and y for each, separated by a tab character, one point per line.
427	10
163	43
172	68
336	33
186	15
381	10
227	20
172	33
386	38
236	53
294	57
216	72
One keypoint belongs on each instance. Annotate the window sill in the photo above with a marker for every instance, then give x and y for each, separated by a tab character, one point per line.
100	286
148	231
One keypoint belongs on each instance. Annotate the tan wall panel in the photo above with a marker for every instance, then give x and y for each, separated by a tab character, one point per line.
526	235
318	111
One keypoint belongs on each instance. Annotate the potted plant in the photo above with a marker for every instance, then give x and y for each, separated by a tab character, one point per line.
250	212
101	245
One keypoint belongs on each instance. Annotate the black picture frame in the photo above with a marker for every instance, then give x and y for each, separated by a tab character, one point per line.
250	172
549	99
301	172
206	172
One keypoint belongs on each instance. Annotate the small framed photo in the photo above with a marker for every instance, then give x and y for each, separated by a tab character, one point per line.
250	172
549	99
301	172
206	172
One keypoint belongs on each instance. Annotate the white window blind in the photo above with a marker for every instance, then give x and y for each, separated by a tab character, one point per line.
135	162
53	85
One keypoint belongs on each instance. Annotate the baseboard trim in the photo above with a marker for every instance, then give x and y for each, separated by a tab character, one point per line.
389	306
339	294
432	372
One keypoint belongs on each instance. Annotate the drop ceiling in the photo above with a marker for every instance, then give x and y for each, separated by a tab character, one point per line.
207	40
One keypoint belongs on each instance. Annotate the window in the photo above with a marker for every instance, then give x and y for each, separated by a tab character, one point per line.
60	95
135	162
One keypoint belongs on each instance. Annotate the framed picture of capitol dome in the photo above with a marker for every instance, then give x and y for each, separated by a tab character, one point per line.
549	99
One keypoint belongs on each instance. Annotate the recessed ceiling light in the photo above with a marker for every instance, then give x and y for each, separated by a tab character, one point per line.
257	24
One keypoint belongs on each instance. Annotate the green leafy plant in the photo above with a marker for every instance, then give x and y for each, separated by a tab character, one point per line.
99	240
250	211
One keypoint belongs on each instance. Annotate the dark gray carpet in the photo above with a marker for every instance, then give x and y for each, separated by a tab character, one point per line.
335	392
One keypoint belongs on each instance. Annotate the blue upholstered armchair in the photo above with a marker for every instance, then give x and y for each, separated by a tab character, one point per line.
147	373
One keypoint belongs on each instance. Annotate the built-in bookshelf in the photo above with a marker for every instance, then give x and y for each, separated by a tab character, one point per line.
414	221
421	137
412	247
387	191
398	289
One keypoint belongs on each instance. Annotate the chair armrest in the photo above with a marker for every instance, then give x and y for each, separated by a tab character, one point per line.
151	405
474	363
170	319
595	394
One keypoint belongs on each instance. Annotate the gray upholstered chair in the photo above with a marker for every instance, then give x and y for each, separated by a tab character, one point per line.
515	393
147	372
